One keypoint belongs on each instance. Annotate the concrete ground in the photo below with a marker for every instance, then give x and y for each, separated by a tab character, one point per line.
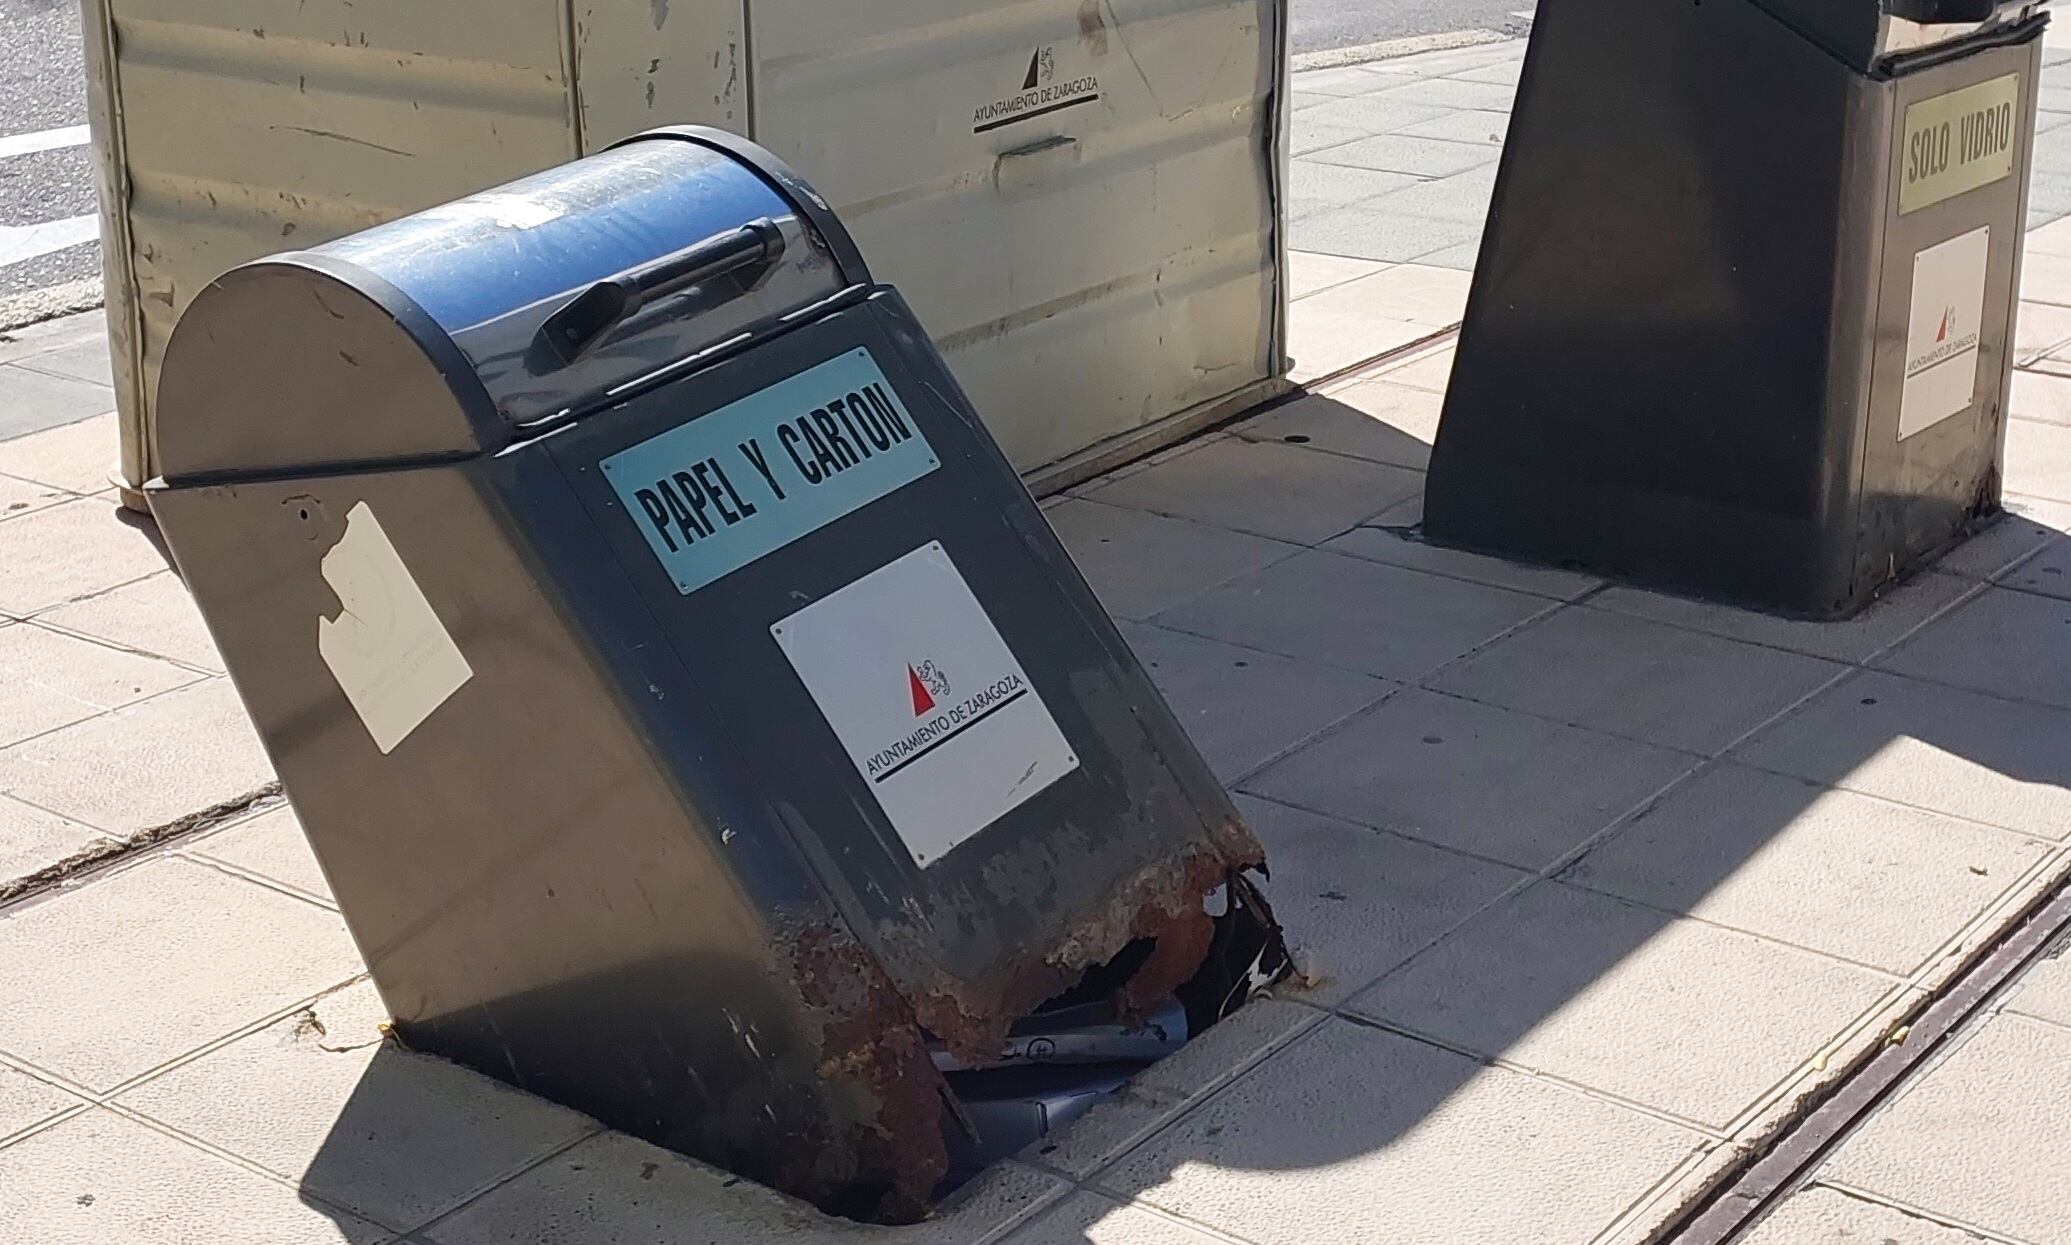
1593	884
1971	1150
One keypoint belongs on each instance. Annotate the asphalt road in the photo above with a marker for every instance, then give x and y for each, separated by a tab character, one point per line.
1321	25
46	172
43	89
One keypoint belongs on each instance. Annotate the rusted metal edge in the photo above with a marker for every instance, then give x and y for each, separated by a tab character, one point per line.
1737	1206
880	1152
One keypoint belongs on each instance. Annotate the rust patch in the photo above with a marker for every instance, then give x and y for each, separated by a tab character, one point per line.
1161	902
883	1157
878	1152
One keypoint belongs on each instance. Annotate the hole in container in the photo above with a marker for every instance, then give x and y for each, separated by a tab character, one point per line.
1079	1047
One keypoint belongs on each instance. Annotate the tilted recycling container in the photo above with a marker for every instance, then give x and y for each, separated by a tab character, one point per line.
696	719
1742	322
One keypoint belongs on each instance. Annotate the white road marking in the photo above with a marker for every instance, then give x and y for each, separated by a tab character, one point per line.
26	242
43	140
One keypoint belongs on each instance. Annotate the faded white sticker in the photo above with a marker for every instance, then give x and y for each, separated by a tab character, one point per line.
390	654
1943	331
927	700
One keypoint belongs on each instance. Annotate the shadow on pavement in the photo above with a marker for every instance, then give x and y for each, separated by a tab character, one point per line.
1417	1138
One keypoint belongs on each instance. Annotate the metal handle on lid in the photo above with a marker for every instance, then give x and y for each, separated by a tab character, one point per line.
584	320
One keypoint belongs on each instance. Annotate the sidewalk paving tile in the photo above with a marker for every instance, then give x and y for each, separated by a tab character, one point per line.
1818	1215
1166	1089
2041	396
145	765
1355	614
1431	369
272	846
1415	292
320	1099
29	340
101	1179
1328	338
1899	612
2002	643
1426	157
2052	239
20	497
2039	328
1362	312
31	838
26	1101
76	457
1309	134
1412	413
1981	1138
1243	707
1349	80
1456	94
1504	73
1932	747
615	1190
32	401
1090	1219
85	359
1358	901
53	680
1378	113
1353	1128
109	981
1314	187
152	615
1462	256
1274	490
1643	680
1372	420
1501	785
2045	993
1469	125
72	550
1381	542
1628	1001
2038	458
2025	528
1368	231
1832	871
2048	571
1310	271
1462	198
2047	278
1140	563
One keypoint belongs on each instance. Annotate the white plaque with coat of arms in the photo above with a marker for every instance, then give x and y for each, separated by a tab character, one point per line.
928	701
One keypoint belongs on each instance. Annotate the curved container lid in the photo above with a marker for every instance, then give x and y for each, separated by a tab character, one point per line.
419	338
490	267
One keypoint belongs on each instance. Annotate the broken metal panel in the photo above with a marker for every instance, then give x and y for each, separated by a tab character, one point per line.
596	829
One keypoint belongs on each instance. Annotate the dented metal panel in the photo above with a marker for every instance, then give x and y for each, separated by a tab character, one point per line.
643	63
1073	194
1080	196
246	128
